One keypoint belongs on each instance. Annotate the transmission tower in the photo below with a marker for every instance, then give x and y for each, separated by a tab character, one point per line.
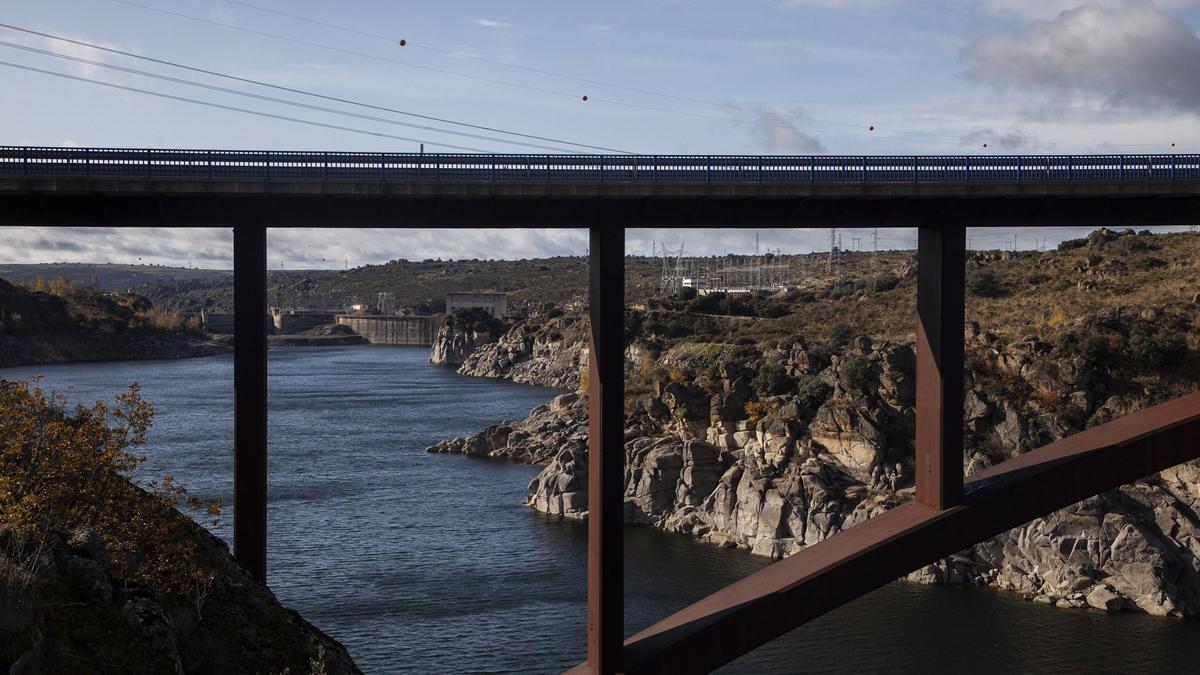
833	239
673	270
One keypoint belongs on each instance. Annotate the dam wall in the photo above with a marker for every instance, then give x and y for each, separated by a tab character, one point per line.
402	331
287	323
222	322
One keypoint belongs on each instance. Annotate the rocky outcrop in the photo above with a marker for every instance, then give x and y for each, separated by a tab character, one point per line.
537	439
87	346
773	473
454	344
524	355
547	354
65	613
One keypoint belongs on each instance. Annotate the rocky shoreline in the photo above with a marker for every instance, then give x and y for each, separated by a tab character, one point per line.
83	348
774	473
549	355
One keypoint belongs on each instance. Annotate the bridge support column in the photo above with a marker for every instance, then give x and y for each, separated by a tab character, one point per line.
250	398
941	274
606	451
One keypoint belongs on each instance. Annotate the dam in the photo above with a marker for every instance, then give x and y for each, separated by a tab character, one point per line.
399	331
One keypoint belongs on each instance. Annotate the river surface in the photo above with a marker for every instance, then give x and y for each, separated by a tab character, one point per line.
429	563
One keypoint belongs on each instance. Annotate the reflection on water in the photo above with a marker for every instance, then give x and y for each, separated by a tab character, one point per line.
429	563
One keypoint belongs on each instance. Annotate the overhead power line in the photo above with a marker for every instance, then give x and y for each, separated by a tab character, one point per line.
951	138
304	92
566	76
508	83
272	99
309	43
247	111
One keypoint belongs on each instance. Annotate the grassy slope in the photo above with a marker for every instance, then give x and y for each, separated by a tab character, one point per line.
107	276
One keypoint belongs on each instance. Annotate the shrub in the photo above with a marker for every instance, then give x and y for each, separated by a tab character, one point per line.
738	305
812	390
857	371
63	472
985	284
774	310
771	380
475	319
1155	348
840	335
755	410
742	355
710	303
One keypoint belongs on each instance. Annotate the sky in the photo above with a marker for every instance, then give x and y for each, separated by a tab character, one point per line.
660	76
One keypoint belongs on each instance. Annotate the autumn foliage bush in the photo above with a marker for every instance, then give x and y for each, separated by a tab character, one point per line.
64	471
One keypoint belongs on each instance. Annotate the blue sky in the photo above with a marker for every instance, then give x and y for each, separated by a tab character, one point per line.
690	76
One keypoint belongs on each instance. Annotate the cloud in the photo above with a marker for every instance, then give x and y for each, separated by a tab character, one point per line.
212	248
80	51
1121	54
776	133
832	4
491	23
1048	9
1010	139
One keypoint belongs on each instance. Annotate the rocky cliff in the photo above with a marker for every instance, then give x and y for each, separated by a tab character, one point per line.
783	448
83	619
460	334
742	433
547	351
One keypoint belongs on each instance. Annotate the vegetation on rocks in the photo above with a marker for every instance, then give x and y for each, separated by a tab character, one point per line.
57	320
774	433
99	574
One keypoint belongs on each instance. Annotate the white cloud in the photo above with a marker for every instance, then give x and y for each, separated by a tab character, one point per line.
776	133
1048	9
491	23
212	248
1121	54
79	51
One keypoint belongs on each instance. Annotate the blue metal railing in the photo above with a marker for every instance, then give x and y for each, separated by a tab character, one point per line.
359	166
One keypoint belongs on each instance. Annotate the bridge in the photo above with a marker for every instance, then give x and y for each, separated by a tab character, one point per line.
114	186
940	196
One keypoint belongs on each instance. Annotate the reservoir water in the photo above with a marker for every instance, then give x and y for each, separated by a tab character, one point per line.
429	563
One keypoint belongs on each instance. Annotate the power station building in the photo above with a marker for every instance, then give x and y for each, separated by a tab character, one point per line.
496	304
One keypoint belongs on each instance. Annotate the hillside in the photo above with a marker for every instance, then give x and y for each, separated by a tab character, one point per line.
61	322
420	284
107	276
770	424
99	574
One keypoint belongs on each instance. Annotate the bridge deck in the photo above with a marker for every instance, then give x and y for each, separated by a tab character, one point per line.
106	186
